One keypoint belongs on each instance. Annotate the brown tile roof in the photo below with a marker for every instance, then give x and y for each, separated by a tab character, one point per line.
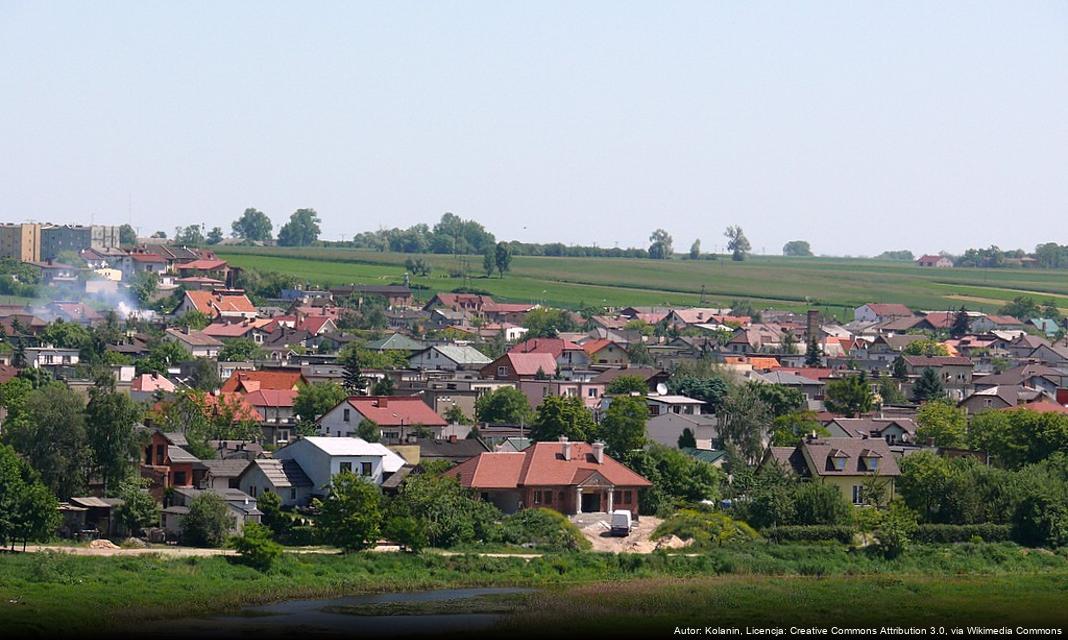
854	450
248	381
540	465
389	411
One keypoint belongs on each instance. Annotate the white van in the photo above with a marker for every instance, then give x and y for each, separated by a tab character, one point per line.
621	523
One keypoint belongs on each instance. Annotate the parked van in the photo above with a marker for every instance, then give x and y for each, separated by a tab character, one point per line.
621	523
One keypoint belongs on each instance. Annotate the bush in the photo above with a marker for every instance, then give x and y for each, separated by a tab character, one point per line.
1042	521
949	533
407	531
207	522
351	516
543	528
894	530
255	547
705	528
810	533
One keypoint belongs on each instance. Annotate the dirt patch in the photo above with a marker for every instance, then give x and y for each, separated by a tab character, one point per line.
639	540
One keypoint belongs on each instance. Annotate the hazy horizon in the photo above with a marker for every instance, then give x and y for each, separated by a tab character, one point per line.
859	128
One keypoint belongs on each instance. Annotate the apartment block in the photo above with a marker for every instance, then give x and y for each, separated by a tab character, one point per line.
56	239
20	241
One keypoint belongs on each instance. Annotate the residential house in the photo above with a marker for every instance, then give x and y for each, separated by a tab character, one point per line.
48	357
166	464
394	295
397	417
940	262
848	464
1035	376
323	458
879	312
669	426
223	473
240	507
652	376
274	379
521	366
955	372
221	303
284	478
568	354
1004	396
538	390
449	357
605	353
570	477
55	272
668	403
894	430
198	343
276	407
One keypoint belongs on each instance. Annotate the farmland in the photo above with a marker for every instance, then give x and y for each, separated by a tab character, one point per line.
835	284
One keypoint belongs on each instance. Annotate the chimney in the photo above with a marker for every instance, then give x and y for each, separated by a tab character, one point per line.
383	402
813	324
598	452
565	447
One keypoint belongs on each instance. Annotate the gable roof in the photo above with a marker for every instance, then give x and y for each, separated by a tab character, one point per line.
528	364
854	450
460	353
542	464
194	338
937	361
281	473
389	411
248	381
352	447
554	346
889	310
213	303
272	397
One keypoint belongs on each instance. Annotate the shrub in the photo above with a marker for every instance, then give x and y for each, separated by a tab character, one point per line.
949	533
1042	521
255	547
810	533
407	531
705	529
543	528
207	522
351	516
894	531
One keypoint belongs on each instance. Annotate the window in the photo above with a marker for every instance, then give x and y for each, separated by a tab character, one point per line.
617	497
839	463
537	497
346	466
293	493
858	494
346	415
252	490
591	392
873	464
179	478
365	468
502	372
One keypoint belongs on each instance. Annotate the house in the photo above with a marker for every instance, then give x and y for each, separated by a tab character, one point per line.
507	312
878	312
893	430
323	458
1035	376
276	408
568	354
90	514
240	507
273	379
397	417
284	478
148	385
538	390
667	403
198	343
849	464
166	464
756	338
667	427
606	353
570	477
222	473
1054	355
955	372
449	357
136	263
221	303
394	295
396	342
652	376
940	262
812	389
55	272
520	366
249	329
76	312
48	357
1004	396
466	302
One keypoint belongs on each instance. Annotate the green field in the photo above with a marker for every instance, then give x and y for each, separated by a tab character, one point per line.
837	284
44	594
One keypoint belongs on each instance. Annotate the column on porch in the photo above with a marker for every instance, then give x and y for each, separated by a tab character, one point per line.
609	491
578	499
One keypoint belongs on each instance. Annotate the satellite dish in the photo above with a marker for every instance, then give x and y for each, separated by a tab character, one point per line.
661	389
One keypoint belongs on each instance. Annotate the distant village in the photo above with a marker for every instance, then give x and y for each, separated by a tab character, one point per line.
241	395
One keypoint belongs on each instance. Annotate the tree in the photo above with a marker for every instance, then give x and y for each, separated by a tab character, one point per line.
127	236
504	405
677	478
418	267
926	347
144	286
900	369
819	504
208	522
449	513
255	547
547	323
737	243
789	429
797	249
315	399
190	236
559	416
814	354
110	418
352	376
1021	307
382	387
779	399
487	261
686	439
943	424
660	249
215	236
928	387
28	511
239	350
960	323
139	509
502	258
49	431
710	389
890	393
252	226
849	396
627	384
743	421
695	250
408	532
368	430
1020	436
455	415
302	229
351	516
623	427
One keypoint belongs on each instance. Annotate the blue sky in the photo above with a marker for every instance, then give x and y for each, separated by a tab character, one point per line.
857	126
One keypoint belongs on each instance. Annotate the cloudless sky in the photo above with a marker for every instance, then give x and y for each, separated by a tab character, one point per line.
859	126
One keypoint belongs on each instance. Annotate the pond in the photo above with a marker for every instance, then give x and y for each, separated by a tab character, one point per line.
446	611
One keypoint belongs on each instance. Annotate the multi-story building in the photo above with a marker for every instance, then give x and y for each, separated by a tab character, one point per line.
20	241
56	239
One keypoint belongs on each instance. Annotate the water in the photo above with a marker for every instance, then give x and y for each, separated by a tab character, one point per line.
311	617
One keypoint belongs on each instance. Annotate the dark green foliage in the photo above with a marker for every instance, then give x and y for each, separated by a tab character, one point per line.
928	387
139	510
678	479
208	522
949	533
255	547
563	416
368	430
543	528
253	225
711	389
626	384
687	439
408	532
452	514
350	517
849	396
48	429
623	427
1018	437
706	529
809	533
301	230
28	510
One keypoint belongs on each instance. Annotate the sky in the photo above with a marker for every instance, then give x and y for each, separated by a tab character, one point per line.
858	126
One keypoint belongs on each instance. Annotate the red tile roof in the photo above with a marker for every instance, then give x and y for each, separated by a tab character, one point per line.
390	411
272	398
542	464
526	364
212	303
554	346
203	265
249	381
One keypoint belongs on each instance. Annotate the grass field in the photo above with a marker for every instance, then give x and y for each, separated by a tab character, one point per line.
41	594
835	284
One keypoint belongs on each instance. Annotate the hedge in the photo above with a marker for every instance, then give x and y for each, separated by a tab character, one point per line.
810	533
943	533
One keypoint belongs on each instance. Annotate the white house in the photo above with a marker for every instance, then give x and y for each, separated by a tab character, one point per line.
284	478
879	312
49	356
323	458
197	343
667	427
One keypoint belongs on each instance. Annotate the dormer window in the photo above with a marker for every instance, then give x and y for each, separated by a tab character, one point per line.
872	463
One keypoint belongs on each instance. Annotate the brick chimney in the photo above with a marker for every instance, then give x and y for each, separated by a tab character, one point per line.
813	324
598	452
383	402
565	447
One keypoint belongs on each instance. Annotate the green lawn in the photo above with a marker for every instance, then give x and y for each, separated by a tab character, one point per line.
41	594
838	284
